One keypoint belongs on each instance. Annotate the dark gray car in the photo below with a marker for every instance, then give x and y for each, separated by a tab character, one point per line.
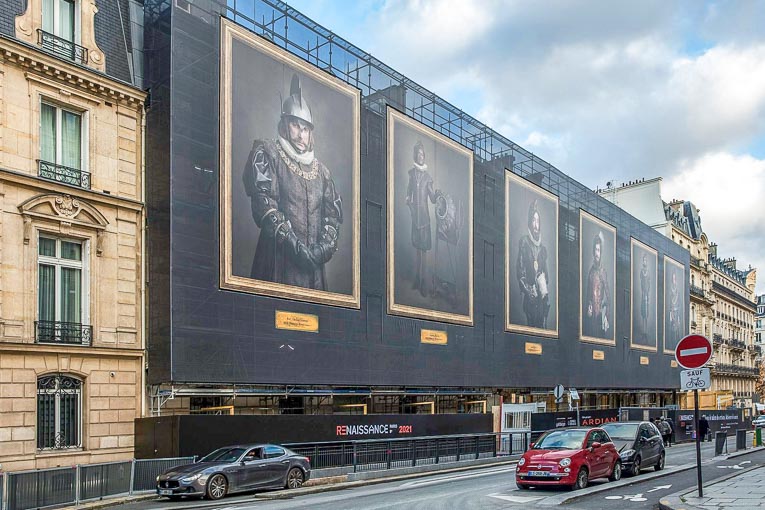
234	469
639	445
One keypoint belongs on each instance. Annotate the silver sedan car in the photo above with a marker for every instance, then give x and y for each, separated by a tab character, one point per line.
234	469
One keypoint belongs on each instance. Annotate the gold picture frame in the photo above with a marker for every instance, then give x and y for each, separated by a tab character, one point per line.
395	118
512	179
585	216
231	32
682	293
635	244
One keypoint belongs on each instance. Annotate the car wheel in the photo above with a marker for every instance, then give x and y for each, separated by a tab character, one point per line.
660	465
616	473
217	486
582	478
295	478
636	466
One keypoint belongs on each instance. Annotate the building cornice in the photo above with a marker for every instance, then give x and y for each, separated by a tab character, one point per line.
55	187
88	351
32	59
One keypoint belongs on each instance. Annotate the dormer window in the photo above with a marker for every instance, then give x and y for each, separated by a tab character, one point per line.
60	32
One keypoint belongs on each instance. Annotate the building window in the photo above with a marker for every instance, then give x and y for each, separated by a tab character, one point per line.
62	146
60	32
59	412
61	300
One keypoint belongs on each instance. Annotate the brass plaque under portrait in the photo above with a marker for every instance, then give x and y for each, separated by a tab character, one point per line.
430	223
644	360
289	175
643	281
296	321
430	336
531	258
674	304
533	348
598	355
597	280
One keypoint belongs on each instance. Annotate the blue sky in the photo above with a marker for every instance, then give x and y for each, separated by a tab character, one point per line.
603	90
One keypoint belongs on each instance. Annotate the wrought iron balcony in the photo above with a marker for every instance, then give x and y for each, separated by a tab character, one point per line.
61	173
736	344
726	368
698	292
62	47
70	333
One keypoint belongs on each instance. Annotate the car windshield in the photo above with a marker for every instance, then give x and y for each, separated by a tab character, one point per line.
561	440
621	430
223	455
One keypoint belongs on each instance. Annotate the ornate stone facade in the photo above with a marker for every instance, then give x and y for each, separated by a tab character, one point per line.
88	219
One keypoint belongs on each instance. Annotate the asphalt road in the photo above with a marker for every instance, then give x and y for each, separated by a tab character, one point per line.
486	488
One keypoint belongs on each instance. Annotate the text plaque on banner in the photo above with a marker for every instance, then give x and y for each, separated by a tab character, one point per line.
297	321
433	337
694	379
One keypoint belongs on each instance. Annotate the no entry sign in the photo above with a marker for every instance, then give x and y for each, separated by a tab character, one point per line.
693	351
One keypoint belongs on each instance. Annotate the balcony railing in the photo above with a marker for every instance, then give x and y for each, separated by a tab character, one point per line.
736	344
65	174
698	292
727	368
62	47
70	333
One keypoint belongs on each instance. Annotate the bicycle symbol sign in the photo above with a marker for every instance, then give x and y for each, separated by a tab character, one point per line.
696	379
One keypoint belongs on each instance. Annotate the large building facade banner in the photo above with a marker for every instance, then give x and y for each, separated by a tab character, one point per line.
644	280
531	258
674	304
597	280
289	194
430	223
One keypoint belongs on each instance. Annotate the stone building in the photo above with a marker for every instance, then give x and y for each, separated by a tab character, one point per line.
722	296
71	232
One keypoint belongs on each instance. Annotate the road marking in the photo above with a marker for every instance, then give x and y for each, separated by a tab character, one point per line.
456	477
637	498
691	352
660	487
515	499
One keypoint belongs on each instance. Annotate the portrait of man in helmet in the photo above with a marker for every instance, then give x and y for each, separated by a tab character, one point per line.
644	329
291	178
430	223
531	251
597	256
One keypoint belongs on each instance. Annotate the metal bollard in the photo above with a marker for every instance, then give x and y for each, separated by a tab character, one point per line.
721	443
741	439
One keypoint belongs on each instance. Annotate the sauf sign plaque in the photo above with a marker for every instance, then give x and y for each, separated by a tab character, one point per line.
694	379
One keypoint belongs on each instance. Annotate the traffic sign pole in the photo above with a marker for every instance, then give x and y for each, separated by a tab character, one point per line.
698	440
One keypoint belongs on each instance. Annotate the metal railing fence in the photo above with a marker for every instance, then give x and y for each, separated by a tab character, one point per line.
146	471
42	488
373	455
25	490
101	480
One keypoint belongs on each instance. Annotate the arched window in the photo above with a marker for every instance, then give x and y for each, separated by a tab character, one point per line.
59	412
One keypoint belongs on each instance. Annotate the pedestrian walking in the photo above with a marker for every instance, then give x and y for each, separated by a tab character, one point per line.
664	430
703	428
671	431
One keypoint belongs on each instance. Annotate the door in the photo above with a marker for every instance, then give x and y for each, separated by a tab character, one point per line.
516	428
277	464
598	457
253	471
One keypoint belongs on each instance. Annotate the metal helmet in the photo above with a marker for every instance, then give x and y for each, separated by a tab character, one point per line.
295	105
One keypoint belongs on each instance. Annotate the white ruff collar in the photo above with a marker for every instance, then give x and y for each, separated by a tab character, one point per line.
306	158
421	168
536	242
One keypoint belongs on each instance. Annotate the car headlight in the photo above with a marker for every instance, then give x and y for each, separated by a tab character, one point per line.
626	454
190	479
565	462
522	461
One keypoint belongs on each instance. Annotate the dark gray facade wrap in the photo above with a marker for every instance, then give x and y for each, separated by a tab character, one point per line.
199	333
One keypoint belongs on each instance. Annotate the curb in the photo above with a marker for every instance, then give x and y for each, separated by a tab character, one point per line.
675	502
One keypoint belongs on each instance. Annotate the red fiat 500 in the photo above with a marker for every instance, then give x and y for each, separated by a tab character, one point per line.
569	457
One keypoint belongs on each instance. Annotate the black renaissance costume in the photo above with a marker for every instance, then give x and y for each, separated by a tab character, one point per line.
418	192
598	297
531	271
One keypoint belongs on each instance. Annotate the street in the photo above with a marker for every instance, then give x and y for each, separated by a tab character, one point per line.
491	487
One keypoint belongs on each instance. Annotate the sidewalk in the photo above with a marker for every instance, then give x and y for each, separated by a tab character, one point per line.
743	491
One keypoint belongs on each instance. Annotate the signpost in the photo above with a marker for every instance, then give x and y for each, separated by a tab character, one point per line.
692	353
558	392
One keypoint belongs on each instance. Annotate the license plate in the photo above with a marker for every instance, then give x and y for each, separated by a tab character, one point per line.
540	473
165	492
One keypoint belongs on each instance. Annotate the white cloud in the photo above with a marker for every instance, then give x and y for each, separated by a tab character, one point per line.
729	192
